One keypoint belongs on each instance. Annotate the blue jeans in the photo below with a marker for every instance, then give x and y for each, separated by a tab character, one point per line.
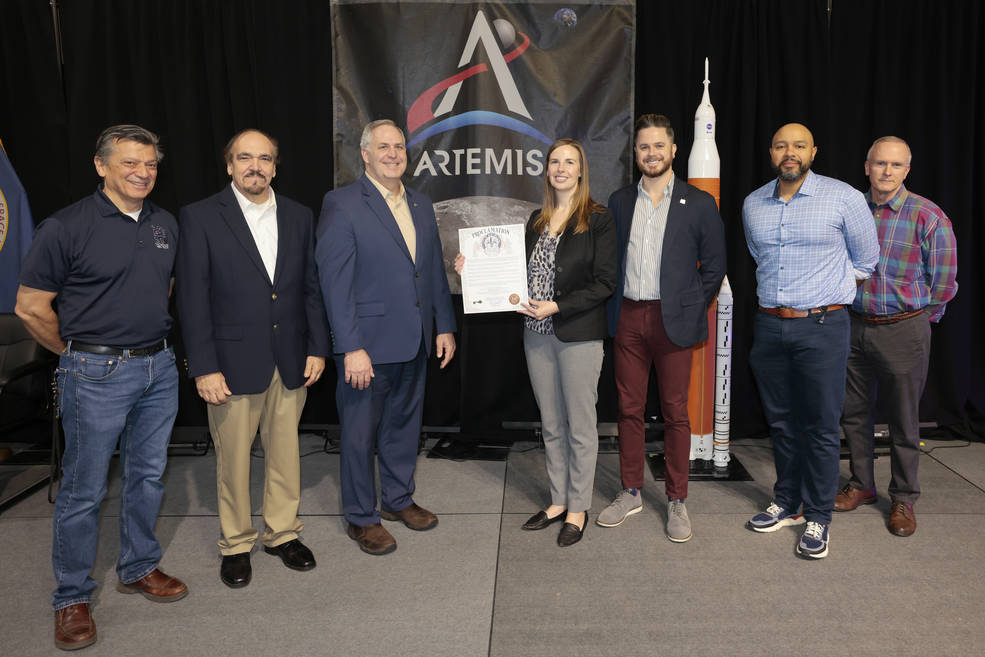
799	365
102	399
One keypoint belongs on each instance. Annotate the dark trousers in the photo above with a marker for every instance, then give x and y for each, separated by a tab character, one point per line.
640	341
799	365
387	416
889	362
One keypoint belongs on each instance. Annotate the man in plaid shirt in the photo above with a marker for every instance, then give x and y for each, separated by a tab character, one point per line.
891	317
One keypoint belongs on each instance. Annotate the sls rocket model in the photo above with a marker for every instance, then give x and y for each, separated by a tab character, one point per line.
709	372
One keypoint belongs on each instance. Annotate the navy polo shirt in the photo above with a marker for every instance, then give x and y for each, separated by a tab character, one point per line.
111	273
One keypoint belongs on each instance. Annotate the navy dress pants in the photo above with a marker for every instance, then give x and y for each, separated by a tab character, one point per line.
799	365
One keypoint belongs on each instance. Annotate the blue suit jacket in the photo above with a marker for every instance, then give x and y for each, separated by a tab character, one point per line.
376	297
694	233
233	318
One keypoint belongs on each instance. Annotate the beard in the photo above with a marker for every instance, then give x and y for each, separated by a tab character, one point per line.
793	175
661	169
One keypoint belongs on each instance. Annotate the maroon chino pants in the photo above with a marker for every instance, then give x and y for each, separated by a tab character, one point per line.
640	341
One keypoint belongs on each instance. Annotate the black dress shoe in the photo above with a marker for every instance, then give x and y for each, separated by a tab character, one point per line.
235	571
570	534
294	555
540	520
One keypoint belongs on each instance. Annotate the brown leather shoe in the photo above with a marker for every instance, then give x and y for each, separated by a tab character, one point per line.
372	539
156	587
415	517
902	521
850	498
74	627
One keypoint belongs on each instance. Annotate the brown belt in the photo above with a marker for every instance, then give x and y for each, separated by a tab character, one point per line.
791	313
880	320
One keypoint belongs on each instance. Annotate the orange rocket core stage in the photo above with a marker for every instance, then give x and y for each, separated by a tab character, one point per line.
701	391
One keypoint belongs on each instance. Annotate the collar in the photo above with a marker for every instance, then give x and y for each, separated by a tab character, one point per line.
894	203
107	208
245	203
668	190
387	194
807	188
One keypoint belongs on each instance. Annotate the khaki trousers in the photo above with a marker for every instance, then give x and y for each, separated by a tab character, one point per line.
276	413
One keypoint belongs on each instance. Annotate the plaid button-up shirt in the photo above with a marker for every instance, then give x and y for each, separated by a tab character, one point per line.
918	258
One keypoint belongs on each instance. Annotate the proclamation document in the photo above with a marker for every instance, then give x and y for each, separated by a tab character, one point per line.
495	275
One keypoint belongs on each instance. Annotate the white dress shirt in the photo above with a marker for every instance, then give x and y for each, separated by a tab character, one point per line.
262	220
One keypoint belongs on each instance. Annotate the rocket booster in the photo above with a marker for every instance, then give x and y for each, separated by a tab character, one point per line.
703	164
723	378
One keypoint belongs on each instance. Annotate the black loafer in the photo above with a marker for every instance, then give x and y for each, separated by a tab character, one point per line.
235	571
540	520
294	554
570	534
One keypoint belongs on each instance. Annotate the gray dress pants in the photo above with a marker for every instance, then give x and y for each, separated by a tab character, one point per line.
889	362
564	377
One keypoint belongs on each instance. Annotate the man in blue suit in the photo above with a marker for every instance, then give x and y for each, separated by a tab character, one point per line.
385	291
256	338
671	264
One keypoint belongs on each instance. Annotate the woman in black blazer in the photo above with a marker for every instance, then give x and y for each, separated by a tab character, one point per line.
571	272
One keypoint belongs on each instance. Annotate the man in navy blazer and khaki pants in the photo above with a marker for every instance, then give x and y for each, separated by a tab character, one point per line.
256	337
385	291
659	311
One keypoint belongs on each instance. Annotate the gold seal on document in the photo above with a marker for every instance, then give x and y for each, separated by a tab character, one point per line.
514	299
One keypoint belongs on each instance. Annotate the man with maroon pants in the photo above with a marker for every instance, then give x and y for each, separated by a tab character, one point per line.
659	312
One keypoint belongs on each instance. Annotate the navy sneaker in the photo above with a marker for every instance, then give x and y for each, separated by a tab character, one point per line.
814	542
774	517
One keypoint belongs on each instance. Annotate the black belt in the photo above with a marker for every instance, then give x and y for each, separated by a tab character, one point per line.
117	351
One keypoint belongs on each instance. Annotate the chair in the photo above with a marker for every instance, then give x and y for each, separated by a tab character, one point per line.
25	372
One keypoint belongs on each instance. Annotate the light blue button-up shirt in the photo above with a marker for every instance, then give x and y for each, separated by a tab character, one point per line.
810	250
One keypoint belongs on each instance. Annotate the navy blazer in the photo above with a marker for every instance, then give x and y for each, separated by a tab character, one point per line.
694	234
585	268
234	319
378	298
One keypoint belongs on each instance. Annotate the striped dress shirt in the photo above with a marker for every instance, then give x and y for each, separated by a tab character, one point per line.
809	250
646	242
918	259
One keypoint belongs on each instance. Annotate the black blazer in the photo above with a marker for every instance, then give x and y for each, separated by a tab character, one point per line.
694	233
234	319
584	276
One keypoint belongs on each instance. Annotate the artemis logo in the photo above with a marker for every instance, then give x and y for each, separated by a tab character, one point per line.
421	111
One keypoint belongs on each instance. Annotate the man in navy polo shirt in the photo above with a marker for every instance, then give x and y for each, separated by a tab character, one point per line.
107	262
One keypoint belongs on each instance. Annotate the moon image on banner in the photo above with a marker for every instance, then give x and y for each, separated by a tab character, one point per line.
473	212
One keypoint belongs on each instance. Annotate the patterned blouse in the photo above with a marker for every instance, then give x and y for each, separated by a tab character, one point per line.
540	279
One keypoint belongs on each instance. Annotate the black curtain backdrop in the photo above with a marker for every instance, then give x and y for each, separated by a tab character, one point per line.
197	71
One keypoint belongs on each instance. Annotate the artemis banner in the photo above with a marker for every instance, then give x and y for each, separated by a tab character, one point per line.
481	90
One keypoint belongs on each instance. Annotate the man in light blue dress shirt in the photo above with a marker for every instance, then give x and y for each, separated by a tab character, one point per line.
813	240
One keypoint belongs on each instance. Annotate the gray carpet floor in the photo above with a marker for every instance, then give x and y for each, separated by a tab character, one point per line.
478	586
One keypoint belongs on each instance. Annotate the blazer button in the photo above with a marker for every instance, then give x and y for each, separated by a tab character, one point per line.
276	326
417	274
274	296
418	304
559	269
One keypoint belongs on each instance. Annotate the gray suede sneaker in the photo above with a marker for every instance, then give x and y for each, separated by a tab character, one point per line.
678	524
625	504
